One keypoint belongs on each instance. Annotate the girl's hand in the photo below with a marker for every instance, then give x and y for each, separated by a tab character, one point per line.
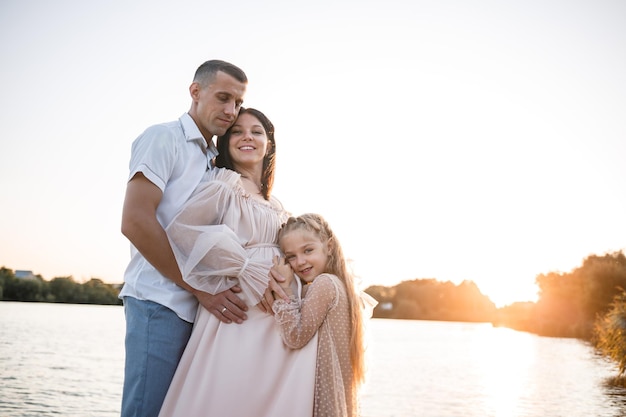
284	269
277	286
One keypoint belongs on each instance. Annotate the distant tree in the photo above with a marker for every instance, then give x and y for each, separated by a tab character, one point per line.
469	304
416	299
97	292
519	316
559	309
6	277
408	309
5	273
602	279
569	303
26	290
65	290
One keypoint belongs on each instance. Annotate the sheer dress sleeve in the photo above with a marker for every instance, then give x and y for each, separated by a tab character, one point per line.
300	319
209	253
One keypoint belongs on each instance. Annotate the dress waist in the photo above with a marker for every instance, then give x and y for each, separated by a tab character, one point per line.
261	245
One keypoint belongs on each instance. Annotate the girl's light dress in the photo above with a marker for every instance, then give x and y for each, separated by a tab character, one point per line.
324	314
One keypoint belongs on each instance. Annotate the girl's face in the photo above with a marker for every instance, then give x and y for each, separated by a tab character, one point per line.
248	142
306	254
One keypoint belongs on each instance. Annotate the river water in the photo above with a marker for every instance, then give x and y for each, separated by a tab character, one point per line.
67	360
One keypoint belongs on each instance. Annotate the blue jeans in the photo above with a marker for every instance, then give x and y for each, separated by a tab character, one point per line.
155	340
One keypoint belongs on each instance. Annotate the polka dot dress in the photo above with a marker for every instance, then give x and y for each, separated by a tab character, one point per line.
323	309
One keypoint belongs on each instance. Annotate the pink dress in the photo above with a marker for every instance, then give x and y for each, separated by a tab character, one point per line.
224	237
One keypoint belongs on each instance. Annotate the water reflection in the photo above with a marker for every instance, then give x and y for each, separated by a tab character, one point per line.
503	383
615	391
68	360
465	369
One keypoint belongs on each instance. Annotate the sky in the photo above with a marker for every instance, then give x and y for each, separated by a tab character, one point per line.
446	139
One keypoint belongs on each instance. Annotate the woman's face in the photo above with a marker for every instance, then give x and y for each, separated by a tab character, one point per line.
248	142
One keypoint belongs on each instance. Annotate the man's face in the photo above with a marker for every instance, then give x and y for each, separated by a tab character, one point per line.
215	107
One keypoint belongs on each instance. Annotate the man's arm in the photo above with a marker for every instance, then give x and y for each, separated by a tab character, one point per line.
141	227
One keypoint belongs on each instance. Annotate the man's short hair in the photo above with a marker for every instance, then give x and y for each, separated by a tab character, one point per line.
206	72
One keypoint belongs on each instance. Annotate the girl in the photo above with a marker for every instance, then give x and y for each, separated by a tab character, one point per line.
331	307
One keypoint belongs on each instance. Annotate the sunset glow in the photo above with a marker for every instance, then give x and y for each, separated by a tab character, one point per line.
452	140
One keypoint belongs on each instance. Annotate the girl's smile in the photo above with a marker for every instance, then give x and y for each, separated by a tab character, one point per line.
306	254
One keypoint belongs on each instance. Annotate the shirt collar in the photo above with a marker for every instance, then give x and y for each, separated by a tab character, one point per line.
192	133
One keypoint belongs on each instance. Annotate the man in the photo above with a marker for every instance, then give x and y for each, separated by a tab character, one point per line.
167	163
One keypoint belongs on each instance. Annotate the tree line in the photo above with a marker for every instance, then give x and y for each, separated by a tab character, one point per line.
429	299
57	290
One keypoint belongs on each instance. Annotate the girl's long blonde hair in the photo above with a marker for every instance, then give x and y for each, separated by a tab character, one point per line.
336	265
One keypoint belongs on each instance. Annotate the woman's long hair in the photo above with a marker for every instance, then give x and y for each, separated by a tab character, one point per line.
224	159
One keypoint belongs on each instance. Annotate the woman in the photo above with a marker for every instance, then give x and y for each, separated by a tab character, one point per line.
226	235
